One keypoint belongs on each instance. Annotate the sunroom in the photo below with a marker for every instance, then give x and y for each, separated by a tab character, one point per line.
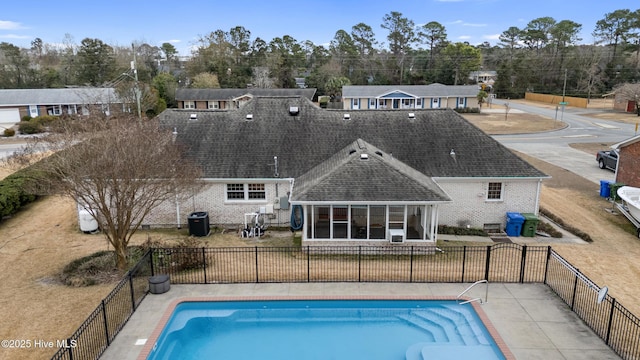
361	196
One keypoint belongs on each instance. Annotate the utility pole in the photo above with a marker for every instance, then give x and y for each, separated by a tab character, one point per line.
135	74
564	91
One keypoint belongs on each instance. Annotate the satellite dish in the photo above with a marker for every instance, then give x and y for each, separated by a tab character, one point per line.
602	294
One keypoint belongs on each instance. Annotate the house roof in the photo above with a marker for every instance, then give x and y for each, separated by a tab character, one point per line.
629	141
230	94
229	146
22	97
362	172
432	90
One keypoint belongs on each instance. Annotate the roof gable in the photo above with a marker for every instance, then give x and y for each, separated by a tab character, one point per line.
397	95
189	94
362	172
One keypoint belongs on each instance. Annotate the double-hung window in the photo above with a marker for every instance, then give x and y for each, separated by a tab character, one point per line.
189	105
245	192
494	191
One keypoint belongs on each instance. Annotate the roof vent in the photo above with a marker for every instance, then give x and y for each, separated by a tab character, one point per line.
346	116
249	117
412	115
379	152
193	116
364	157
352	151
293	110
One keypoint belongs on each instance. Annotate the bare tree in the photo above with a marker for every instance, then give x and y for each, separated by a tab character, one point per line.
118	167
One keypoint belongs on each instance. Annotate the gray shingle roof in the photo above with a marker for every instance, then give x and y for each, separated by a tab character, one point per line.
21	97
229	94
431	90
227	145
362	172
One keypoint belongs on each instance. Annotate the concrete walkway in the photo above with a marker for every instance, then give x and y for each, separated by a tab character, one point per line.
530	318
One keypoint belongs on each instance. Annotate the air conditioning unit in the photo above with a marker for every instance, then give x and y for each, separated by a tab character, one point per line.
395	236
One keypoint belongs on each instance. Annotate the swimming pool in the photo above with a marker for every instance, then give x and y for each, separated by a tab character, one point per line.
324	329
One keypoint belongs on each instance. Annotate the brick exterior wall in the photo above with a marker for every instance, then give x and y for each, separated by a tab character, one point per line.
629	165
470	206
222	213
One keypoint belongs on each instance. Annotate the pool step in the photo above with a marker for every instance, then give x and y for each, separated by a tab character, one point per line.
434	351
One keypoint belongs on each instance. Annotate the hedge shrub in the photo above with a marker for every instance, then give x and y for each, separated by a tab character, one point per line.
9	132
13	192
30	127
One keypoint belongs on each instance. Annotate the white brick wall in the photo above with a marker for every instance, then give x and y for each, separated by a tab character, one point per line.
471	207
469	204
212	199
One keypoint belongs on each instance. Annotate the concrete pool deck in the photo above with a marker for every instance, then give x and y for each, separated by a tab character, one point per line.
533	322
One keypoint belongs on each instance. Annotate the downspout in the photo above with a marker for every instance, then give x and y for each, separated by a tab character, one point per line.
178	213
538	196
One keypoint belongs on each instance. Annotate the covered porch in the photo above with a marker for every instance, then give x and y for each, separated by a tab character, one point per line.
380	223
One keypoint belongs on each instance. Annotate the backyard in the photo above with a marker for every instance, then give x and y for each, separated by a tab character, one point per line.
38	242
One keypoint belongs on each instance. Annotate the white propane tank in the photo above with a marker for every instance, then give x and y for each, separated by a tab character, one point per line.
88	223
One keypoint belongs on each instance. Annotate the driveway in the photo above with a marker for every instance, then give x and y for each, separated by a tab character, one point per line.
553	146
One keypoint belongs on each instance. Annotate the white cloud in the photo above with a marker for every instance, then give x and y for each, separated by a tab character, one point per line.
464	37
173	41
473	25
14	36
10	25
464	23
491	37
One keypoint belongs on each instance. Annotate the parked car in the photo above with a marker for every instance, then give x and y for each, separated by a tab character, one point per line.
607	159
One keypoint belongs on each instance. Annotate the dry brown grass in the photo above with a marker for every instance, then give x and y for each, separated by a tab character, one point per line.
37	243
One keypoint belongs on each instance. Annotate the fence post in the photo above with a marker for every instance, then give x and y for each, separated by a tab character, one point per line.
359	263
546	265
204	264
71	348
613	306
151	251
106	324
411	265
523	263
257	276
308	264
575	290
488	264
133	296
464	261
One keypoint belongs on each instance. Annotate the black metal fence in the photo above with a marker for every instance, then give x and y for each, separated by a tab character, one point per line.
105	322
502	263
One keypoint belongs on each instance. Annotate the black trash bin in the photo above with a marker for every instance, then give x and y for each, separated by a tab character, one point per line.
199	223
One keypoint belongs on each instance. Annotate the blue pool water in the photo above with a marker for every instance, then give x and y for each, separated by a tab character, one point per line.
325	329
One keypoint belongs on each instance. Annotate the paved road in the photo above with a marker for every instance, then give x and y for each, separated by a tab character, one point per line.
8	149
553	146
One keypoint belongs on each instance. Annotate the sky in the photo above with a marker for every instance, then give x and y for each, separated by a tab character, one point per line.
182	23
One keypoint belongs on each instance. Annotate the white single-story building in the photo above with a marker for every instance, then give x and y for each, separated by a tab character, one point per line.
361	177
404	97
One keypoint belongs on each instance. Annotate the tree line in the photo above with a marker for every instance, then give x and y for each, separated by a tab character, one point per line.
544	56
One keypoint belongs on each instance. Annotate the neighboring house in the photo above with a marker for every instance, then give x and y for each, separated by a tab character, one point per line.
628	169
360	177
17	103
388	97
484	76
225	99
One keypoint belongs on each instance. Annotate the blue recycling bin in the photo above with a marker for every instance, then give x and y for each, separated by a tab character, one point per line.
514	223
605	189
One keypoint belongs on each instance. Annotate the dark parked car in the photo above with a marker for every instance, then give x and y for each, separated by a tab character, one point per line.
607	159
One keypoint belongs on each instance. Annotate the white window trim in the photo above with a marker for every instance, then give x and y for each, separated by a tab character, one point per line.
245	189
487	198
189	104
